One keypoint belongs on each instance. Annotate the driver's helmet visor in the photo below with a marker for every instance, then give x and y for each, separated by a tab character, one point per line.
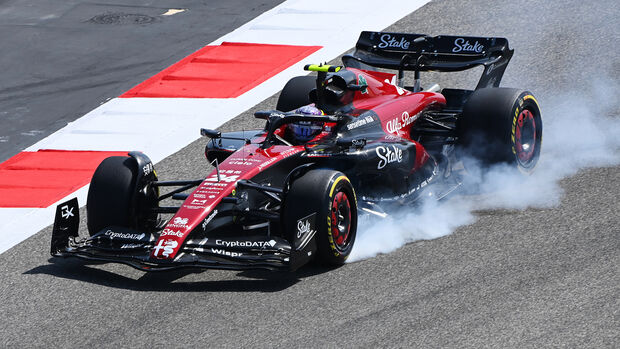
304	131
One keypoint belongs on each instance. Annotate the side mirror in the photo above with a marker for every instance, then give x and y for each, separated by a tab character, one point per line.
354	87
210	133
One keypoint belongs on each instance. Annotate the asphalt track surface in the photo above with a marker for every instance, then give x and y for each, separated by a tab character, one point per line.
530	278
61	59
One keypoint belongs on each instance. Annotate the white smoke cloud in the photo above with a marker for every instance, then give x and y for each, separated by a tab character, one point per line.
581	130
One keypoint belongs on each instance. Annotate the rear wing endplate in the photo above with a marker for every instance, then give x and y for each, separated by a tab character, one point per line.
419	52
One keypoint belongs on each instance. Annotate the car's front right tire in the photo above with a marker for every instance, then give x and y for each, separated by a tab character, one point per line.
324	201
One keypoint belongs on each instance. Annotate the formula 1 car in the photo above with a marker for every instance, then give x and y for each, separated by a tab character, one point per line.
350	142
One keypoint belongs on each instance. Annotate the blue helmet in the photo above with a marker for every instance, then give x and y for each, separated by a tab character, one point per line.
304	131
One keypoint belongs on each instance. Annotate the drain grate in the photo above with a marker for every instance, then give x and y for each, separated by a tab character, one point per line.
122	18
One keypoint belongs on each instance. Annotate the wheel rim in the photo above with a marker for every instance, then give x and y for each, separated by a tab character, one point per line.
341	221
525	137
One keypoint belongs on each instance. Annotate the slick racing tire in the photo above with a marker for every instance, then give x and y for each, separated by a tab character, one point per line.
502	125
322	202
113	199
296	93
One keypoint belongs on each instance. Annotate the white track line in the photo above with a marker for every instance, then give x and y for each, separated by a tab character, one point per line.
162	126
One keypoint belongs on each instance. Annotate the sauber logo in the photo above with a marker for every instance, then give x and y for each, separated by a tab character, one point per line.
167	246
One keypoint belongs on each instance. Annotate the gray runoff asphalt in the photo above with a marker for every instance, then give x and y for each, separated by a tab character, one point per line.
531	278
63	58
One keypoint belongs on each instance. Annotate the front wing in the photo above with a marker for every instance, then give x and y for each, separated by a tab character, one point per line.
133	248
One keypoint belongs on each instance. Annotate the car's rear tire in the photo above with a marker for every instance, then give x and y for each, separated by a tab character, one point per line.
325	201
502	125
296	93
113	199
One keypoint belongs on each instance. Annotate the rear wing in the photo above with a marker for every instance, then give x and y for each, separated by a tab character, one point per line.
419	52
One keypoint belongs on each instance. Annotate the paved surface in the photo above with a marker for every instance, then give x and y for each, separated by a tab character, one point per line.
61	59
529	278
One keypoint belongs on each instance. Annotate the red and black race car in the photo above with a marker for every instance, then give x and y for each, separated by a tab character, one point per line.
351	141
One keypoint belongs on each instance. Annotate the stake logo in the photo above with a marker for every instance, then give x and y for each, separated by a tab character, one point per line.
462	45
305	226
170	232
388	155
388	40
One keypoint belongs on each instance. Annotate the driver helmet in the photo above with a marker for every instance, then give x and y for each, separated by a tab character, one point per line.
304	131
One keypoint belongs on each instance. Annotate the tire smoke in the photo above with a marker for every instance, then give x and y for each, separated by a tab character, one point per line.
581	130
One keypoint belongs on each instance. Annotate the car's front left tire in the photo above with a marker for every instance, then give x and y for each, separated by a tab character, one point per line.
114	199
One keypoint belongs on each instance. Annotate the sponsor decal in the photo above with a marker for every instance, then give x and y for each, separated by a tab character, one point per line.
396	124
391	138
226	253
223	178
306	225
388	155
462	45
388	40
494	66
358	142
267	163
131	246
167	246
200	196
178	223
404	195
289	152
147	169
360	122
241	163
244	159
283	155
198	202
127	236
67	212
193	207
170	232
255	244
401	91
208	219
361	80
